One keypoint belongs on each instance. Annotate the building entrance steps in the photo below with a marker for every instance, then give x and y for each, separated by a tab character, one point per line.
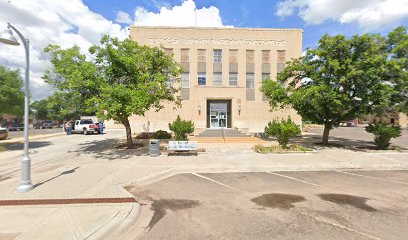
229	140
223	132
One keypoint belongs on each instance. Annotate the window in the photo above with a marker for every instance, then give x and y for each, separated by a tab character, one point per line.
185	54
217	55
202	79
233	79
168	51
266	56
233	56
250	80
185	80
250	56
217	79
281	56
201	55
265	76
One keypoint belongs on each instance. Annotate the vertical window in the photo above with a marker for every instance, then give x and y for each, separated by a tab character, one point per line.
168	51
250	56
185	80
266	56
250	80
281	60
233	79
233	56
201	55
217	79
202	79
185	55
265	76
217	55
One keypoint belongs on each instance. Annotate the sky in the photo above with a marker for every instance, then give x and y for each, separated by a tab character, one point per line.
83	22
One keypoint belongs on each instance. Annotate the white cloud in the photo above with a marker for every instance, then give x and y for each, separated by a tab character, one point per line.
184	15
68	23
122	17
369	14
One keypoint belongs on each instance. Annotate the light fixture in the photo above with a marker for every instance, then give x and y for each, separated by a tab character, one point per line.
239	110
199	109
8	38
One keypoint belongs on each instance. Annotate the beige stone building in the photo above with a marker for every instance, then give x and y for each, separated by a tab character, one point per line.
223	73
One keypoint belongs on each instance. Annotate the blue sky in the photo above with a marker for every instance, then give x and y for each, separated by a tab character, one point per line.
83	22
254	13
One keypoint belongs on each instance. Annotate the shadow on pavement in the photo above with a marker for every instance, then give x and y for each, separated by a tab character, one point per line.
59	175
107	149
20	145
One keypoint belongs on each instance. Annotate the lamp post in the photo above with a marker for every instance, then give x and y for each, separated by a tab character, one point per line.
8	38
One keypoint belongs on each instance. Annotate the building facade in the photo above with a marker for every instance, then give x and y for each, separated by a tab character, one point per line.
223	69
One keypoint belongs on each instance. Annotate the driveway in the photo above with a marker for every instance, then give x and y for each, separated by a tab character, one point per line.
276	205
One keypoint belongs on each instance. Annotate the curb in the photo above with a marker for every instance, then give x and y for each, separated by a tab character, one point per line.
18	140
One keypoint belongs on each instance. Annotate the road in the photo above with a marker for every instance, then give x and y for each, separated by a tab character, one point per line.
277	205
33	132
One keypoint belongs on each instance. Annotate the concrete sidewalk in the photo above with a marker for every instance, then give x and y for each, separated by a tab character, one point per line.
98	171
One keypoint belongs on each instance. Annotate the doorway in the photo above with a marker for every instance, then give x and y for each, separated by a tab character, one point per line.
218	114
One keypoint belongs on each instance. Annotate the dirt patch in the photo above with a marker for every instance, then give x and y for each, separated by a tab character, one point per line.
344	199
160	206
278	200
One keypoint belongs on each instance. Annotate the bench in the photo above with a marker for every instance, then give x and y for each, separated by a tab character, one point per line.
183	147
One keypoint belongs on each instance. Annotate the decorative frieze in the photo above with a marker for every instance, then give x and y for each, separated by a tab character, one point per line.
220	41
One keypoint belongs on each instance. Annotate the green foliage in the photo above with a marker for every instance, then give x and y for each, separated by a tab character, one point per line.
11	92
344	78
181	128
282	130
160	134
383	134
120	79
259	148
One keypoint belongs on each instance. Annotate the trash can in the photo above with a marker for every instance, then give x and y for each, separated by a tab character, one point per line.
154	147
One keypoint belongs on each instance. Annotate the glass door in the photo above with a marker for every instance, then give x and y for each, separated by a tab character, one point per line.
218	115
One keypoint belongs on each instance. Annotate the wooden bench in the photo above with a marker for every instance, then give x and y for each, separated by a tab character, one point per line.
183	147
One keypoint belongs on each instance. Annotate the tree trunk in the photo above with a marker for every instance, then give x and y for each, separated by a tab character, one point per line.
325	138
128	133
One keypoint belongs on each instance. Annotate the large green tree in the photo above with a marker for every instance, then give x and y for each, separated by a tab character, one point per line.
11	92
342	78
121	78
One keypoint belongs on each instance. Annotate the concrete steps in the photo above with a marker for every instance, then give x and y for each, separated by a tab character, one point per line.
228	132
228	140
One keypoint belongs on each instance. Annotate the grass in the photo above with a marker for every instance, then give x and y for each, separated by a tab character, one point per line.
259	148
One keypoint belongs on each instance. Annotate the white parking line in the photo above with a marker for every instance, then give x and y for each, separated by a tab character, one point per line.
377	178
296	179
214	181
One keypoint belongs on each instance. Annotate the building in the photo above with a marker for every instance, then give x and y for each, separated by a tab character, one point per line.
223	73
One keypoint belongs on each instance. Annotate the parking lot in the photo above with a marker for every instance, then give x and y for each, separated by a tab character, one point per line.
276	205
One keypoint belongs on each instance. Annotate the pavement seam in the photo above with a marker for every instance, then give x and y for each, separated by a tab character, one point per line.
342	227
214	181
72	227
362	175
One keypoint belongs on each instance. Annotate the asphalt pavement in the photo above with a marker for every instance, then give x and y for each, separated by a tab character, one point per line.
33	132
276	205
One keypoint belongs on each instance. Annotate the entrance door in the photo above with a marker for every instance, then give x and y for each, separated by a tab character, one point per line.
219	114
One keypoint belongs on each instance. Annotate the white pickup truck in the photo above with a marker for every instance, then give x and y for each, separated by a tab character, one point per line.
85	126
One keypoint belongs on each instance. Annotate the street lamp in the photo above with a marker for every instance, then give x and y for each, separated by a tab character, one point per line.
7	38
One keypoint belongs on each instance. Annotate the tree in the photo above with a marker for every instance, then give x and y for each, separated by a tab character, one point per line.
40	109
337	81
121	78
383	134
181	128
11	92
282	130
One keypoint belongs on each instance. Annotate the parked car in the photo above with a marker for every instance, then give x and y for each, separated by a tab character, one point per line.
85	126
13	126
3	133
43	125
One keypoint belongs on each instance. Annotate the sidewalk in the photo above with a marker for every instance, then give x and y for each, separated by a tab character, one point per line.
100	173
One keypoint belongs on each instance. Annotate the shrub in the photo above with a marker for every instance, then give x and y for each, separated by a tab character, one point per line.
144	135
160	134
283	131
181	128
383	134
